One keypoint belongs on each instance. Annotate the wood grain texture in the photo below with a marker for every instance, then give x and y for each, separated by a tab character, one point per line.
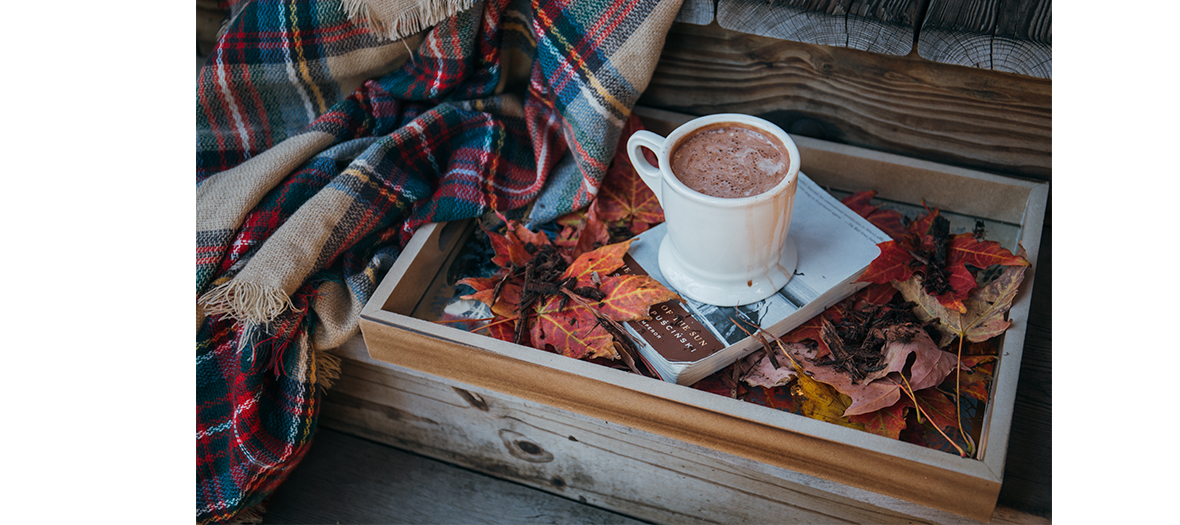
1002	35
594	462
971	118
697	12
346	479
880	26
611	466
810	21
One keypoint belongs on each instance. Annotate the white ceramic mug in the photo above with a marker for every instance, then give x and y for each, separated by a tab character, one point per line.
721	251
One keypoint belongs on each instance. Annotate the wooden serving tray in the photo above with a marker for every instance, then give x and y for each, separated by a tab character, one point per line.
705	444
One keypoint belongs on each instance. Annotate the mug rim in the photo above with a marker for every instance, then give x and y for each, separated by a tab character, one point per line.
729	202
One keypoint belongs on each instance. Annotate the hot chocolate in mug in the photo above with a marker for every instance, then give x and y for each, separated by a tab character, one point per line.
725	250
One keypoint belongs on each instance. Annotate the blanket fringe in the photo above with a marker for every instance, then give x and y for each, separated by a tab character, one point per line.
327	368
409	21
246	302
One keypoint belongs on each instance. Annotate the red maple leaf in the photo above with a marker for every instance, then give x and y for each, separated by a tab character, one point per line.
922	224
593	234
874	294
899	260
964	248
504	331
512	248
889	221
573	332
938	407
506	303
893	264
888	422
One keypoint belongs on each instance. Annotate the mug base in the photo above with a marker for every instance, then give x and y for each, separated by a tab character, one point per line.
738	291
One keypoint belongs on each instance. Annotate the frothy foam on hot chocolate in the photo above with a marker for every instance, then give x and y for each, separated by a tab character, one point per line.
730	160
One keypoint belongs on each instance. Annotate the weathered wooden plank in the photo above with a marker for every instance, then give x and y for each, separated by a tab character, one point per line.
811	21
984	120
614	467
880	26
698	12
1002	35
591	461
1024	38
346	479
883	26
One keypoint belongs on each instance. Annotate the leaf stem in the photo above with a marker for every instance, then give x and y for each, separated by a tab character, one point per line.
920	412
914	398
958	395
489	325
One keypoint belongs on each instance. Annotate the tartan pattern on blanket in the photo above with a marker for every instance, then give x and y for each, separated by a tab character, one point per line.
320	150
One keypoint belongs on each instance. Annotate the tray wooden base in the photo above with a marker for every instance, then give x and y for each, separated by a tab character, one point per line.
631	472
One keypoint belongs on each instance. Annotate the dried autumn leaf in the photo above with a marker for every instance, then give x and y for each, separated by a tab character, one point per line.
626	198
512	248
888	221
503	330
922	224
961	281
931	365
823	402
985	309
878	294
574	332
938	407
603	260
869	397
888	422
966	249
859	202
974	383
506	303
629	297
765	374
592	235
893	264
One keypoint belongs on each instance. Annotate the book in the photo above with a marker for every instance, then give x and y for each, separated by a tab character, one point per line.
686	341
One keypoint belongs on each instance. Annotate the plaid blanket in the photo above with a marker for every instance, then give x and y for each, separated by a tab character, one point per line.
322	146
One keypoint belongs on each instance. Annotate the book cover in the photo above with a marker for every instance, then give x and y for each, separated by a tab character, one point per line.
685	341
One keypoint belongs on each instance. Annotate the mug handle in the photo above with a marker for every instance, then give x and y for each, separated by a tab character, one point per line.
650	174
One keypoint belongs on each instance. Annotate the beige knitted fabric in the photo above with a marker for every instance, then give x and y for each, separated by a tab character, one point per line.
397	19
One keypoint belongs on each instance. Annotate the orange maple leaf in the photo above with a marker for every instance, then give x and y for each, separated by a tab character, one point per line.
572	331
629	297
506	303
603	260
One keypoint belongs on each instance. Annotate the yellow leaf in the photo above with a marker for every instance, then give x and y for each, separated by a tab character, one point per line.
823	402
